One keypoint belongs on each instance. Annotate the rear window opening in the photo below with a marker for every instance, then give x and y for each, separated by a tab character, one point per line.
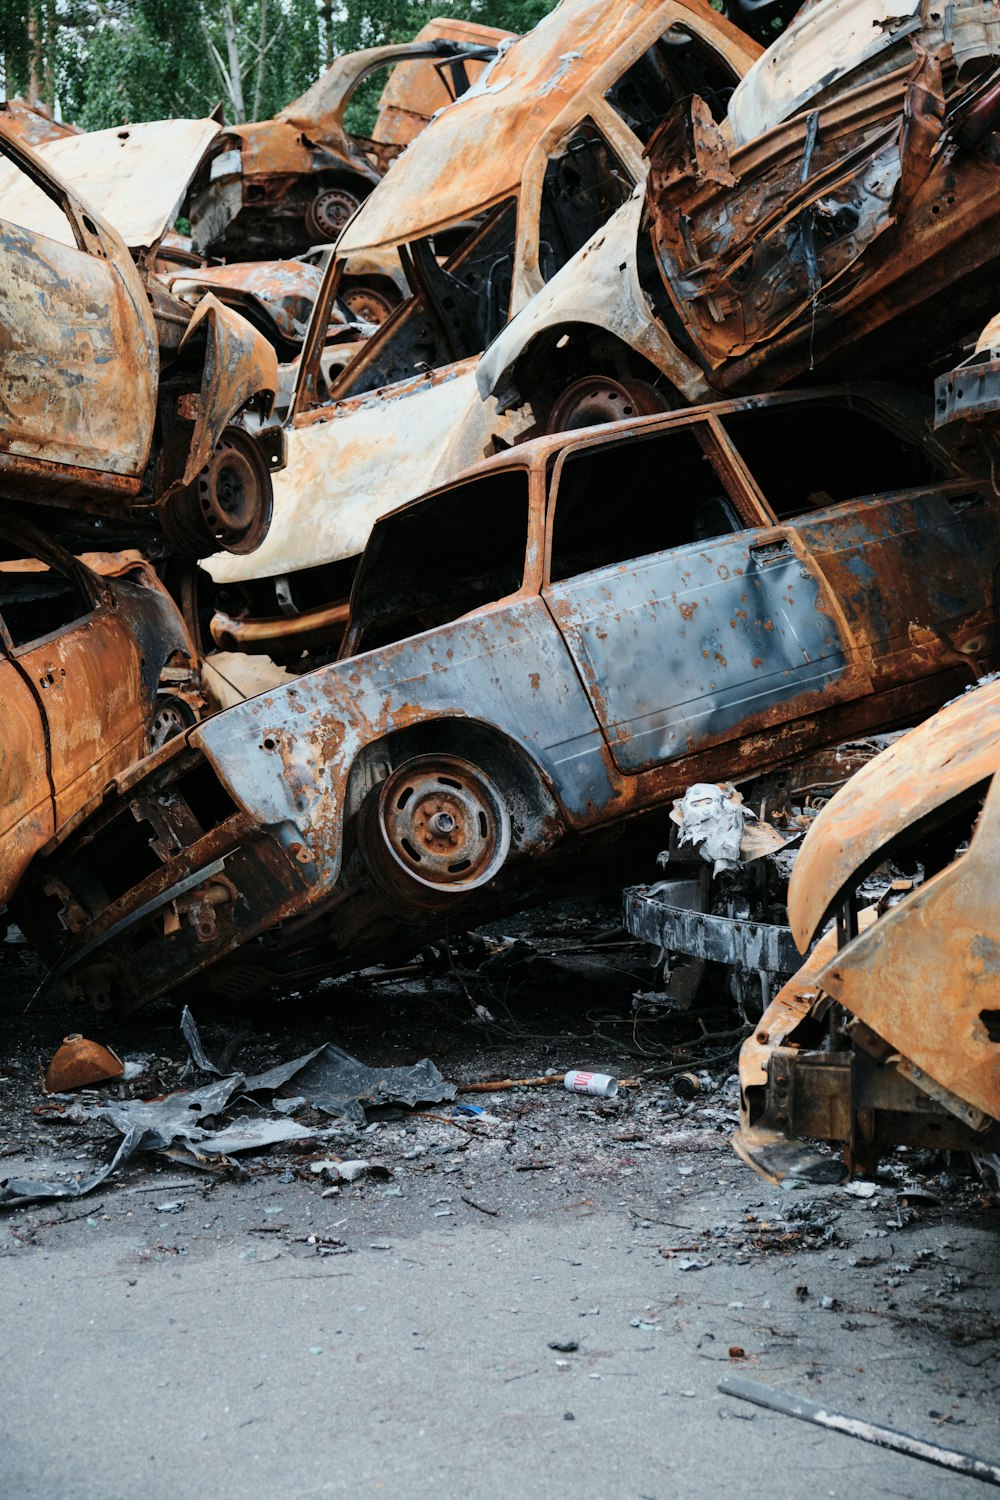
813	454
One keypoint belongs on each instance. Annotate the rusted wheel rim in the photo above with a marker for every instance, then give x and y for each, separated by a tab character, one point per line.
170	718
330	210
442	821
367	304
228	506
598	398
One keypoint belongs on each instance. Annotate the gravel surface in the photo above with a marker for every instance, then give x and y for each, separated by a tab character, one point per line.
534	1300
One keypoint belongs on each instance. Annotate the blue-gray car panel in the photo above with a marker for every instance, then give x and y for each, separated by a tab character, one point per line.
287	754
680	648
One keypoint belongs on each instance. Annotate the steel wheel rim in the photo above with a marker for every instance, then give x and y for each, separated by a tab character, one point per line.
443	821
596	399
330	210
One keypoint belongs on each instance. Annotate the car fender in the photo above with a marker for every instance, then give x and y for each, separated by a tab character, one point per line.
240	365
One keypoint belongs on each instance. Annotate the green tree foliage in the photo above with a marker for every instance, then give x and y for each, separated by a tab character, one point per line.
107	62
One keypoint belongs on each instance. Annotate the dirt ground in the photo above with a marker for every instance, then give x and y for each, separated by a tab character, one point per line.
536	1299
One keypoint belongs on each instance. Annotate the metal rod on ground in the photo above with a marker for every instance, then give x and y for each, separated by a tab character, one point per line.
868	1432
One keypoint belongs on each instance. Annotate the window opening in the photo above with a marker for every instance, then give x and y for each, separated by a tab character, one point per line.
814	454
37	601
631	499
583	186
440	559
676	66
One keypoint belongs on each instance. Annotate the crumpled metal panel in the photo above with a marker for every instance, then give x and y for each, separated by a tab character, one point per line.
832	241
846	43
239	366
135	176
934	765
282	290
475	153
926	975
357	460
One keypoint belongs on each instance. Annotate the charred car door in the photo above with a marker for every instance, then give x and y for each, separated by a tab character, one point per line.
78	361
907	542
687	628
76	651
26	809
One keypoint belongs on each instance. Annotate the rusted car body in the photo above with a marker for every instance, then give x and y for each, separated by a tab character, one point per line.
510	180
95	666
32	123
840	221
519	168
889	1033
570	671
273	187
113	396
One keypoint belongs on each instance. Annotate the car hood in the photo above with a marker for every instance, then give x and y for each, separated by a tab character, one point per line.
364	458
946	756
135	177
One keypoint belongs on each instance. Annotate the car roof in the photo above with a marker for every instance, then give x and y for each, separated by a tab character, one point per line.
537	452
472	154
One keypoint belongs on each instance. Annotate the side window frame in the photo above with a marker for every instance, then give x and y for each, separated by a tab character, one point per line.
744	497
77	577
952	484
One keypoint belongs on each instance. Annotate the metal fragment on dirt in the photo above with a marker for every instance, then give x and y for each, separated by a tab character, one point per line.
965	1464
80	1062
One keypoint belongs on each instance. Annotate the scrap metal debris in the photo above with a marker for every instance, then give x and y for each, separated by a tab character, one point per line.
189	1121
746	1389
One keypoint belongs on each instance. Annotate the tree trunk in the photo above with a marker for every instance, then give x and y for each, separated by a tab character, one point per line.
261	54
235	74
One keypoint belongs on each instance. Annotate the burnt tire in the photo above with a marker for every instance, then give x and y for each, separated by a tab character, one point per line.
434	830
227	507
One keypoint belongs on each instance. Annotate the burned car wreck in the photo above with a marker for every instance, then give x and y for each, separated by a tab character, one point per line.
500	189
888	1033
96	668
272	187
116	399
779	593
507	183
838	222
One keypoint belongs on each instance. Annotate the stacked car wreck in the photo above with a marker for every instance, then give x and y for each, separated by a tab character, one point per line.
670	464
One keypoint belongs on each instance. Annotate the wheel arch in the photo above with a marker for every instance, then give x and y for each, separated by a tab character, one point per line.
537	820
558	356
